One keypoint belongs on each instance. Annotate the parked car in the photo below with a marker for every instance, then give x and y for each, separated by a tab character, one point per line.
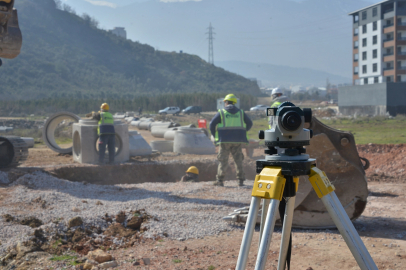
170	110
192	109
261	108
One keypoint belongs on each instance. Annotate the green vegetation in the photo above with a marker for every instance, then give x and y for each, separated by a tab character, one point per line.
82	106
378	130
66	56
177	261
72	259
211	267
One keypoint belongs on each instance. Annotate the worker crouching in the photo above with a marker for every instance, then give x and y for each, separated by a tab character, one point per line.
192	175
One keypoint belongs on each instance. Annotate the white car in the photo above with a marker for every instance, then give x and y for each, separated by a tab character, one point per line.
261	108
170	110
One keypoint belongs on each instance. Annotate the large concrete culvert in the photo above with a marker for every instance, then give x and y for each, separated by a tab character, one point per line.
59	123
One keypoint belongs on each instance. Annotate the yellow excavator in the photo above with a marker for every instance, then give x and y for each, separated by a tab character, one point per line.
10	33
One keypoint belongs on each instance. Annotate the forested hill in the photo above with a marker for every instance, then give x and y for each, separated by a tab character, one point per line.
64	55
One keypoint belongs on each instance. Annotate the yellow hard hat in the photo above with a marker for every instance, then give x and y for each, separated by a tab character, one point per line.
105	107
231	97
193	169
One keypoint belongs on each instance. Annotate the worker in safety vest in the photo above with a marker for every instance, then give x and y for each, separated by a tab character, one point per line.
192	175
277	99
106	132
232	126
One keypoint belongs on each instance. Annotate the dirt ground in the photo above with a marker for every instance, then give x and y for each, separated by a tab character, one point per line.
381	226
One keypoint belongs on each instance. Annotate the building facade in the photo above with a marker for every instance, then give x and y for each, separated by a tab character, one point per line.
379	43
119	31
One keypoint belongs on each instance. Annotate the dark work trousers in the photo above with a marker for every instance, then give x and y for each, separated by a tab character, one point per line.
110	140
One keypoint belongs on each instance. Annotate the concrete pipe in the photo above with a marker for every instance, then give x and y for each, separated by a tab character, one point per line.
162	146
161	124
57	121
144	125
158	131
135	123
193	141
29	141
86	146
170	133
138	146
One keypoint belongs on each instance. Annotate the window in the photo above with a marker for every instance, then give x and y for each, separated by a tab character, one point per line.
376	79
375	53
388	79
375	26
356	18
364	55
365	80
398	78
364	15
356	57
374	12
388	66
364	28
356	31
364	69
364	42
374	40
355	70
355	44
375	67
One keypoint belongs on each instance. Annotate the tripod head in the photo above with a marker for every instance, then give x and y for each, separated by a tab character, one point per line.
287	132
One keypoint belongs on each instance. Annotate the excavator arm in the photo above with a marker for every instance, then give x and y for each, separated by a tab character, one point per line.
10	33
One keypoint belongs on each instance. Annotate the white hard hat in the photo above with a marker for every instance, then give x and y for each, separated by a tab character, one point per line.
277	91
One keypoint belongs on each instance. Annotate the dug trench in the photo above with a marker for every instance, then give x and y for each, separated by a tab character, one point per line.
153	172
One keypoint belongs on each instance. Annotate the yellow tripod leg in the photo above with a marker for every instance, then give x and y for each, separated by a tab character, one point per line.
325	191
269	184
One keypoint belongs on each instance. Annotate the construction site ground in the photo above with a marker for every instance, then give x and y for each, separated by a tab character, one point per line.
185	226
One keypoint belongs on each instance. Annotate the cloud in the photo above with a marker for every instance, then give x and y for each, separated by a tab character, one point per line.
102	3
170	1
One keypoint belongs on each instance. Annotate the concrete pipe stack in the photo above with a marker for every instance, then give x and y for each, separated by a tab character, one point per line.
170	133
138	145
193	141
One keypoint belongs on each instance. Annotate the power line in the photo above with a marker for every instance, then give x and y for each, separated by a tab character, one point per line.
211	38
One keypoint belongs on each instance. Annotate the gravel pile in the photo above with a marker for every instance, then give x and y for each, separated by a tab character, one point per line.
179	210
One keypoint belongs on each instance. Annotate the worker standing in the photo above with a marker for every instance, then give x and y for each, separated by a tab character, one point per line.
232	125
277	99
106	133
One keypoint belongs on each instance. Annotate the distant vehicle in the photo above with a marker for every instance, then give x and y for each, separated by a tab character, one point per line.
170	110
261	108
192	109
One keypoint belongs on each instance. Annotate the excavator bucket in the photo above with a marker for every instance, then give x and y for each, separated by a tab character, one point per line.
337	155
10	33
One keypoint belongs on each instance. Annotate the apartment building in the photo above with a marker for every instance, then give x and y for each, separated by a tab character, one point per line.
119	31
379	43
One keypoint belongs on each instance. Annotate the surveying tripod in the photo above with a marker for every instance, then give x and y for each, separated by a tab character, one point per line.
278	181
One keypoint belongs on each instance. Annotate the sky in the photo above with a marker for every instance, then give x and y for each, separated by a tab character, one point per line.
254	41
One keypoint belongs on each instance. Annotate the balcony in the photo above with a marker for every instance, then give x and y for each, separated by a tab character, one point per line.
386	40
387	68
401	38
388	25
387	54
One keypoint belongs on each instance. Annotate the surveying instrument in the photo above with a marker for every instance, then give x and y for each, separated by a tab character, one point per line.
276	185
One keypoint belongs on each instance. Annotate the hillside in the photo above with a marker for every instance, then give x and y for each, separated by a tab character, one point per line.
313	34
274	75
64	55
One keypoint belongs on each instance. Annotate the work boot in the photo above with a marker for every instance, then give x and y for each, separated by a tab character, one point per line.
218	183
241	183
